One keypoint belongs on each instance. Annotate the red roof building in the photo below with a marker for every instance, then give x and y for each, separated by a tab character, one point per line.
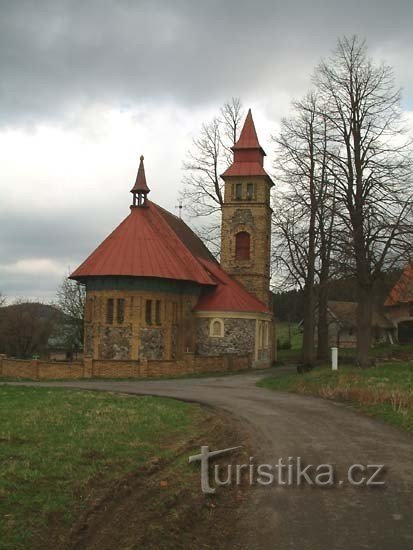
155	291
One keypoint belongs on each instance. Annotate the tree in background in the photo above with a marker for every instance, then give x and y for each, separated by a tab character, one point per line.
202	194
371	168
71	299
2	300
25	328
303	216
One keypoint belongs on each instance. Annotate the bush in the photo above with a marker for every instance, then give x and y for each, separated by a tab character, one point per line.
283	344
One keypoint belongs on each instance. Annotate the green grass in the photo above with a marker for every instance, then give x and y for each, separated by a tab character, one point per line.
287	332
54	442
385	391
380	352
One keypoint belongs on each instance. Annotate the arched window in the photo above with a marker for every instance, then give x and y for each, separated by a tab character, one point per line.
242	245
216	328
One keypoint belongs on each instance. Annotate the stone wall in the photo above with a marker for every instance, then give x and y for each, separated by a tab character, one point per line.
115	343
92	368
152	343
238	339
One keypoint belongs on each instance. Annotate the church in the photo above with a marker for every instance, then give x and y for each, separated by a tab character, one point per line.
156	297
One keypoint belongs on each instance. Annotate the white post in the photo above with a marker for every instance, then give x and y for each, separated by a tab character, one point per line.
334	358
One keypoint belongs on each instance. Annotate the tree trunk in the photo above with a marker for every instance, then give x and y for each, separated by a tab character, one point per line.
323	342
308	325
364	320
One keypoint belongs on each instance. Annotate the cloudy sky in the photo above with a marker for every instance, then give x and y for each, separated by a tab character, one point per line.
86	86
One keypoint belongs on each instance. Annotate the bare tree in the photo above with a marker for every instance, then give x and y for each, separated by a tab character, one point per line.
202	194
301	219
2	300
371	167
25	328
71	300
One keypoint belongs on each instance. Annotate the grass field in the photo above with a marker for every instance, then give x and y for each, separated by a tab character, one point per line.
289	332
385	391
58	446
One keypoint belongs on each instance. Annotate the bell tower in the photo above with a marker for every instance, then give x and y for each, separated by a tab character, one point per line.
246	215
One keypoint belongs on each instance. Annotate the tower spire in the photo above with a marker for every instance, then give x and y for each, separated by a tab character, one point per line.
248	138
140	190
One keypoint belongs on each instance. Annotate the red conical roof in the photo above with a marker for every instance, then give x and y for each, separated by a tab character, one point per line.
248	153
140	183
144	245
248	138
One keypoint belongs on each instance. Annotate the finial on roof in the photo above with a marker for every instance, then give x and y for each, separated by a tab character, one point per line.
140	189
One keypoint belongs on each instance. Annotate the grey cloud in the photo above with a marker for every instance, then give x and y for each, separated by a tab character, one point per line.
58	56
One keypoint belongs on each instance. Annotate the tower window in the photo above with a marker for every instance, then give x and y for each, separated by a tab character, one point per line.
242	246
148	312
121	311
238	191
250	191
109	311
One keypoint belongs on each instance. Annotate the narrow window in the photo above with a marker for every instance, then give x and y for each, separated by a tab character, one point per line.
148	312
121	311
238	191
242	246
158	312
250	191
109	311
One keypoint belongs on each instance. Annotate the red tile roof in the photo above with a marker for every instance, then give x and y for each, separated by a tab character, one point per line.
402	292
228	295
245	169
144	245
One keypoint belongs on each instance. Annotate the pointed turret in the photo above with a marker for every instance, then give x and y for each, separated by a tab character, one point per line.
248	153
248	138
140	190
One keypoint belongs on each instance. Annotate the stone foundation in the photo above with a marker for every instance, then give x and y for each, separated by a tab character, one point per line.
238	339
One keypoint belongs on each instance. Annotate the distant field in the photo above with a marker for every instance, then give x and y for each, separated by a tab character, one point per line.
385	391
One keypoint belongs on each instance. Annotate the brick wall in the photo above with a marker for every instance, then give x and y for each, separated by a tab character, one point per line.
90	368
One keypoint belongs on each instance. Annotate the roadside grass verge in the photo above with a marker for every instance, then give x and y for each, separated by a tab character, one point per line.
59	447
380	352
385	391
